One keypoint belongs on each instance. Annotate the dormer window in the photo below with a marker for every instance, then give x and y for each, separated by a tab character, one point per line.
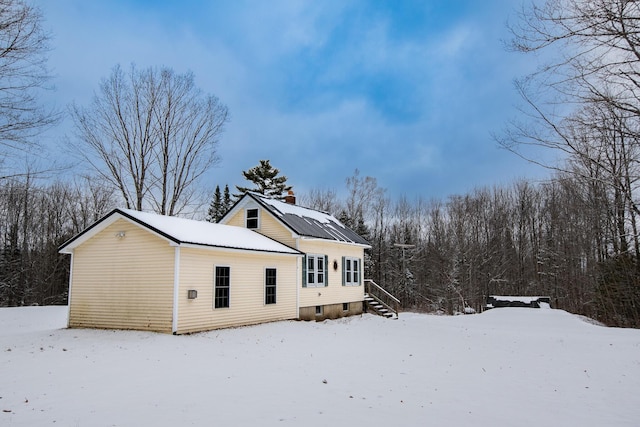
252	218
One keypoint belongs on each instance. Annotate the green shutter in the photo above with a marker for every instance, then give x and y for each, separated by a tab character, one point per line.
304	271
344	271
326	270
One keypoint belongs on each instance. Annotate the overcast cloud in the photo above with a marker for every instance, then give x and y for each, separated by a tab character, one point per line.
408	92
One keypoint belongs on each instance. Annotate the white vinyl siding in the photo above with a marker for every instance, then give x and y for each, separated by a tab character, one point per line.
246	292
333	292
269	226
123	282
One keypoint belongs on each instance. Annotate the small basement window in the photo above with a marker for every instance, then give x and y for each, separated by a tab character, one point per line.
318	310
345	306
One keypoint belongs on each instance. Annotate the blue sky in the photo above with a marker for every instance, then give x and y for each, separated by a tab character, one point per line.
408	92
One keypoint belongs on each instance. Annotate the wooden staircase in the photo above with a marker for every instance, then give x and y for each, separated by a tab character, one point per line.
378	301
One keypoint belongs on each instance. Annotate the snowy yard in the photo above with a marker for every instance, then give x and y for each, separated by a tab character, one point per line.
505	367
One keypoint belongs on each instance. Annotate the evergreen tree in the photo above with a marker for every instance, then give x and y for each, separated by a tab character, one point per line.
226	199
266	181
216	208
343	217
361	228
356	224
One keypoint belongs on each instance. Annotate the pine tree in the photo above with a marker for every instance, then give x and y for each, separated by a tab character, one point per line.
361	228
356	224
343	217
226	200
216	208
266	181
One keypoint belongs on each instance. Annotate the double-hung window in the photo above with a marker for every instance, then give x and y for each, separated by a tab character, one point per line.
222	281
270	286
253	218
315	270
351	271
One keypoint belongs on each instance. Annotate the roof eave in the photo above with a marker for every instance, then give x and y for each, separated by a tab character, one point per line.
108	219
232	248
365	246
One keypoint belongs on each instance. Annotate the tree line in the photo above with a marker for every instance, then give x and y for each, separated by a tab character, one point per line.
35	219
556	238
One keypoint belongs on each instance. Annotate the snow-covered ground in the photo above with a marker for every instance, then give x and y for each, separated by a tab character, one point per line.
505	367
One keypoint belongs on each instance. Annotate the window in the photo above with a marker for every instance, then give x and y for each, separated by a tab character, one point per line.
221	287
318	310
252	218
315	271
345	306
270	286
351	271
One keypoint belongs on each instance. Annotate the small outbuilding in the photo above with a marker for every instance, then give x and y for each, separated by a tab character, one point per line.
496	301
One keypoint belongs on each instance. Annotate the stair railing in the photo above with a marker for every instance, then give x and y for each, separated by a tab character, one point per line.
381	295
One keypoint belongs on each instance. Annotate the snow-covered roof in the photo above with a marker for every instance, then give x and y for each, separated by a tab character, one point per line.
309	222
187	231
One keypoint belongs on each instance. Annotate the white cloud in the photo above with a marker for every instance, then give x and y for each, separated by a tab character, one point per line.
243	52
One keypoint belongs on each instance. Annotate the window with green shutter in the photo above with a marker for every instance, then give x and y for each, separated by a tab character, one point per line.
314	271
351	271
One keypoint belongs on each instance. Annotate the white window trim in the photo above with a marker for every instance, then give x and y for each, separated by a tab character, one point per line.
246	217
352	282
316	271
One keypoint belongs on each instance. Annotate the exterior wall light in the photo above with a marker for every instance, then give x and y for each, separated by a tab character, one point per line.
120	235
192	294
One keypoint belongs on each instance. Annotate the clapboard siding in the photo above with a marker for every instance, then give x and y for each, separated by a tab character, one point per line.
273	228
237	219
334	293
247	284
269	226
123	283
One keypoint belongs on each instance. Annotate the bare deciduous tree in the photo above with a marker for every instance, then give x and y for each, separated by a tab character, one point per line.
35	219
23	74
591	52
151	134
323	199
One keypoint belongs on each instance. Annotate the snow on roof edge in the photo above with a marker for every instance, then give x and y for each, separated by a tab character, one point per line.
188	231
